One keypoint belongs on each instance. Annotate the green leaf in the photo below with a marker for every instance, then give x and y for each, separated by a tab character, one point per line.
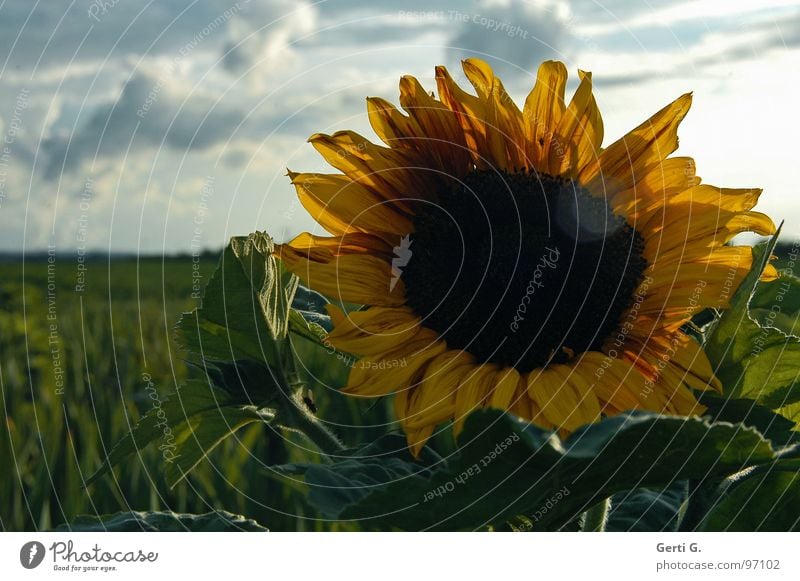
320	365
777	304
646	510
247	382
246	306
791	412
334	486
506	467
766	501
239	339
317	362
199	411
751	361
218	521
311	305
204	431
272	286
775	427
306	328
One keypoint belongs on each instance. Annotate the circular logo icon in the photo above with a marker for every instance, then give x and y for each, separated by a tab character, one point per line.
31	554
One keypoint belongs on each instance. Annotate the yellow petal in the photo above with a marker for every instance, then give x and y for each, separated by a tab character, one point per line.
672	386
393	371
661	183
543	111
731	199
359	278
770	273
441	143
506	382
704	220
505	135
418	438
473	393
579	134
390	125
588	409
470	112
434	401
615	382
627	159
698	373
566	404
382	170
320	248
374	331
342	206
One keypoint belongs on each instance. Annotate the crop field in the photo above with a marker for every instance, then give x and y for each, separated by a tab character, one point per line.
78	370
85	353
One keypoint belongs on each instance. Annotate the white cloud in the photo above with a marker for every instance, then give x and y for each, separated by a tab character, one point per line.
150	111
674	13
238	95
261	36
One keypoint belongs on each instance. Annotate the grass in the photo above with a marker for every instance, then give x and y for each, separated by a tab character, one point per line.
74	372
73	376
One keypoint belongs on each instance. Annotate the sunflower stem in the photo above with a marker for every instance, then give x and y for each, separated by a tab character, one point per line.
594	519
297	417
300	418
315	431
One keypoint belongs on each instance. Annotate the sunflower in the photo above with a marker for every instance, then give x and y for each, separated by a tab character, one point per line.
505	259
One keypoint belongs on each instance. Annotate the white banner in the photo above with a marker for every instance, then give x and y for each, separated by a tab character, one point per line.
398	556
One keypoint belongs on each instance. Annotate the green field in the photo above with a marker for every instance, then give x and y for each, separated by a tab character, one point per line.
76	368
83	356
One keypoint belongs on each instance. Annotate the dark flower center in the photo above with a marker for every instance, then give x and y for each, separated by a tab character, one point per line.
521	269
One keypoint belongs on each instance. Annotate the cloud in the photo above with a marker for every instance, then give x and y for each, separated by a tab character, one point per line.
150	111
155	96
58	33
713	53
619	16
513	35
262	34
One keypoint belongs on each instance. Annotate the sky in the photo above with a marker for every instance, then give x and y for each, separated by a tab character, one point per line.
168	126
